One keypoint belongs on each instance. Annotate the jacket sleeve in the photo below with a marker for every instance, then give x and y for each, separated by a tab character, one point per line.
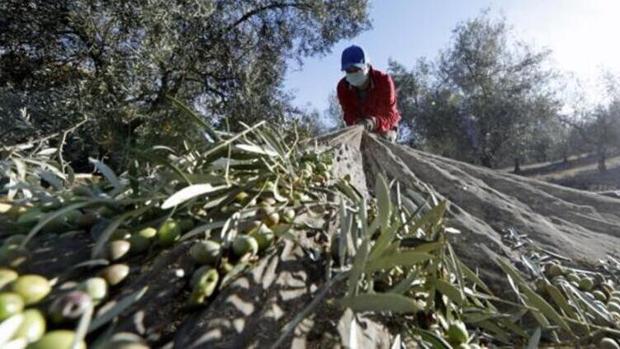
387	115
348	110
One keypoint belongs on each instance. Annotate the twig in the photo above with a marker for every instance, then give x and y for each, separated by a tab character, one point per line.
40	140
307	310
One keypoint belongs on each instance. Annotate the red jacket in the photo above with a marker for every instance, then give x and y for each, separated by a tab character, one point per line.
380	102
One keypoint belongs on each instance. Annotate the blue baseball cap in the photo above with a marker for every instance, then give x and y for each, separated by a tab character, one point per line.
353	56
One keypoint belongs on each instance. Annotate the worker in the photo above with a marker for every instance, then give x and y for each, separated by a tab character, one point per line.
367	95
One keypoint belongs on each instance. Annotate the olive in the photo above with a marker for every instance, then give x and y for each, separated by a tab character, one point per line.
206	252
586	284
13	212
138	243
288	215
118	249
13	255
10	304
32	288
554	270
58	339
70	306
608	343
115	273
613	306
7	276
95	287
186	224
600	295
148	233
125	340
204	281
32	327
73	217
87	220
264	236
573	277
243	244
168	232
272	219
242	197
120	234
457	333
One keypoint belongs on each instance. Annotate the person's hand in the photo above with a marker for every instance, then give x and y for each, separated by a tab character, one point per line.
368	123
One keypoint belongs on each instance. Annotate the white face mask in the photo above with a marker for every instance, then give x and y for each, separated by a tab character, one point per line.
357	79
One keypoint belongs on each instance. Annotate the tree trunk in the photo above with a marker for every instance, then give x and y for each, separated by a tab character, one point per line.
517	169
486	160
602	158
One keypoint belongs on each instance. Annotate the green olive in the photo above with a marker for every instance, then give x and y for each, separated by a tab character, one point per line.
608	343
13	255
12	211
264	236
226	267
242	197
613	306
272	219
125	340
554	270
32	327
10	304
186	224
288	215
600	295
206	252
148	232
115	273
243	244
586	284
573	278
168	232
118	249
457	333
120	234
7	276
96	288
204	281
73	217
138	243
32	288
58	339
87	220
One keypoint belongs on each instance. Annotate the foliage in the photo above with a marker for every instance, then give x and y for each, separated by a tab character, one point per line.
486	98
598	126
115	63
239	196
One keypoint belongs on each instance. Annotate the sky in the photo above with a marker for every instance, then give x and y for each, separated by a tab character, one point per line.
583	36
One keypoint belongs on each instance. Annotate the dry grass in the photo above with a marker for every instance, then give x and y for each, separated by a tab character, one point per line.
580	172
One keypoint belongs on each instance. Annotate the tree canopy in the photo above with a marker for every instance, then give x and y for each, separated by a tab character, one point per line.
116	61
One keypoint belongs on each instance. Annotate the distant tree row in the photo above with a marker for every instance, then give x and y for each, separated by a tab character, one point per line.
492	100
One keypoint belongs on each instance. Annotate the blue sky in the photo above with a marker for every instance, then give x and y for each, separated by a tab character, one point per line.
581	33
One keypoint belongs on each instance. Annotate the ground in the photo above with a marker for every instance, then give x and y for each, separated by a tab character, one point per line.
579	172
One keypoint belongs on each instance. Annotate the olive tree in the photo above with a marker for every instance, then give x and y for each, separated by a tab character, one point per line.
116	62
